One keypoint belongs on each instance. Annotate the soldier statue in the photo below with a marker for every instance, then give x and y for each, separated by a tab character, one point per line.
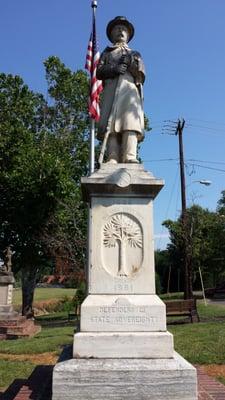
7	266
122	72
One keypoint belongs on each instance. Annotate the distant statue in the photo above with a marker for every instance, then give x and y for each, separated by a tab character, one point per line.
121	69
7	266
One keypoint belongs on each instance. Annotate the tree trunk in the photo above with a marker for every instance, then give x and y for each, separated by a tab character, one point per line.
122	258
28	286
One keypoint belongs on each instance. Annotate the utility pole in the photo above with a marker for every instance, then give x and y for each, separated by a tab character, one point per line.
179	132
187	254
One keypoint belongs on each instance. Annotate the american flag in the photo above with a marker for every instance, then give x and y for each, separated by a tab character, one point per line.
96	87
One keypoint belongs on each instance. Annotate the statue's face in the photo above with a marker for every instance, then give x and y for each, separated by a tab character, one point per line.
120	34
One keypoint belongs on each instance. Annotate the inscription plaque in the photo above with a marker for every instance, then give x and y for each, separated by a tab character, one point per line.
124	314
124	319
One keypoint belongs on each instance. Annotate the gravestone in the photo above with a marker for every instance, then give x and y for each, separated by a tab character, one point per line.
12	324
6	292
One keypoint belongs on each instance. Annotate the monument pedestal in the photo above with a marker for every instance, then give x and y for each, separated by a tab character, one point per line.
125	379
123	349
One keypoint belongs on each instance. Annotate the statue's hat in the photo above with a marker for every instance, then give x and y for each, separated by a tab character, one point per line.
120	21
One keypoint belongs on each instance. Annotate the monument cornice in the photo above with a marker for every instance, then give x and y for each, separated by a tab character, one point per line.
121	180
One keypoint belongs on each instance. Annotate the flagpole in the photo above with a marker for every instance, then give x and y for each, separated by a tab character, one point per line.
92	147
94	5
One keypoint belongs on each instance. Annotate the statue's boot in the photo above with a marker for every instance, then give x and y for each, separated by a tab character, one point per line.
129	147
113	149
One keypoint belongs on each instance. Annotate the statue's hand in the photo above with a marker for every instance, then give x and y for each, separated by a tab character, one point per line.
125	59
121	68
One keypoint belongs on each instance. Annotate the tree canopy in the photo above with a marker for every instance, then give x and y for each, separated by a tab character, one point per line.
205	232
43	153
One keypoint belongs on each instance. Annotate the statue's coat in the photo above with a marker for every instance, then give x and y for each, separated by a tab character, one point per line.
121	105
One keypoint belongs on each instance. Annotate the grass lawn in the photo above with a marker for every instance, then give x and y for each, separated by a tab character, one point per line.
172	296
48	340
10	370
42	294
200	343
211	312
46	319
221	379
204	342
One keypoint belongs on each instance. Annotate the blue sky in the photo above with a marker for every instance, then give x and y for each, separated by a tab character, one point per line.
183	46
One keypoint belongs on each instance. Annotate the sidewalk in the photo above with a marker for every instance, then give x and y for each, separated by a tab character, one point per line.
208	387
38	386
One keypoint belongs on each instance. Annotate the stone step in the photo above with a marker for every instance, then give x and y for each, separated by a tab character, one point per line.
6	309
127	379
13	321
3	336
23	328
123	345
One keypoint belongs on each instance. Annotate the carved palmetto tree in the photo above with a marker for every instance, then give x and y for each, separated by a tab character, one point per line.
122	230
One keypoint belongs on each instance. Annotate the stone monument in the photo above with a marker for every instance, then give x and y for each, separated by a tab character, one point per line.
6	284
123	350
12	325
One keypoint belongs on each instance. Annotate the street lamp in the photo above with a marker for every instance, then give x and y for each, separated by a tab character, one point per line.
204	182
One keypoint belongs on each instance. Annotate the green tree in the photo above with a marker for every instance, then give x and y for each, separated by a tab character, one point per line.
162	266
65	231
43	153
203	229
221	204
220	241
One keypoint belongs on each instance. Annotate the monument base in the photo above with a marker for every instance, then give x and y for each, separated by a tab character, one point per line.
125	379
14	326
123	345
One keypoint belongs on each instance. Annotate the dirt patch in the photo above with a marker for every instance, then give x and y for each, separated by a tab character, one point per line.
44	306
46	303
215	370
37	359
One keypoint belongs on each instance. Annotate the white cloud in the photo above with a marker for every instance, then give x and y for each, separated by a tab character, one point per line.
161	240
161	236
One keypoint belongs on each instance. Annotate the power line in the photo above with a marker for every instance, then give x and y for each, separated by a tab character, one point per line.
207	122
168	207
156	122
205	161
205	133
191	122
162	159
203	166
187	161
169	127
206	127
